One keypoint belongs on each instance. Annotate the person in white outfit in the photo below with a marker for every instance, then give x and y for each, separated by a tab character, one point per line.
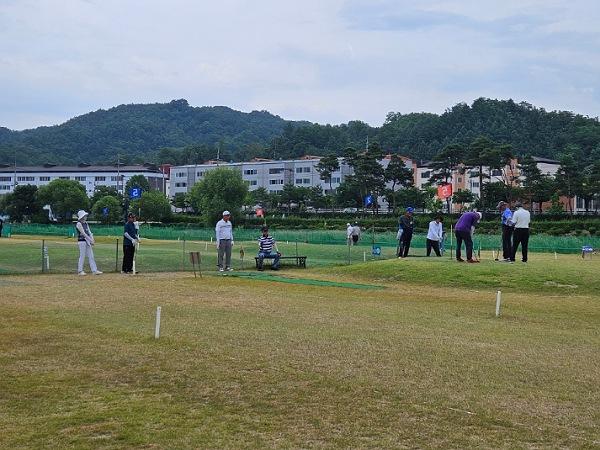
85	240
434	236
349	229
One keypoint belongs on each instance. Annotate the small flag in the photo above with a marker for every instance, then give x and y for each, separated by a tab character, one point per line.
369	200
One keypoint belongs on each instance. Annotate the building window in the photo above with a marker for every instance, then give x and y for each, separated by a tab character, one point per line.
475	184
253	182
306	169
298	180
25	178
199	174
276	170
115	178
459	179
250	171
83	178
5	178
306	180
180	175
4	187
278	181
298	169
496	173
65	178
337	180
99	178
180	184
426	175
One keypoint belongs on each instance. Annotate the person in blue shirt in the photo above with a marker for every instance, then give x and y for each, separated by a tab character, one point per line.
507	230
130	239
266	245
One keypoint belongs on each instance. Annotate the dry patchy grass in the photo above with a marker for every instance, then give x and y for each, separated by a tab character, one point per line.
248	363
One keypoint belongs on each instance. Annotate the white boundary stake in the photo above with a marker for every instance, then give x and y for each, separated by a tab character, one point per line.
157	324
555	256
498	301
365	256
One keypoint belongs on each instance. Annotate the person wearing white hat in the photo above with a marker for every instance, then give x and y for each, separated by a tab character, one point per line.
224	239
349	229
85	240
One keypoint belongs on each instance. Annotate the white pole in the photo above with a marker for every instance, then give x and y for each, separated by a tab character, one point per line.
157	325
498	300
365	256
206	246
494	254
555	256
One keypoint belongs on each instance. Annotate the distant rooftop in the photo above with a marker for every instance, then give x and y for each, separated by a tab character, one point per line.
4	168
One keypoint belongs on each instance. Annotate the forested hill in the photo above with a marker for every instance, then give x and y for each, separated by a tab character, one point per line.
137	132
178	133
528	129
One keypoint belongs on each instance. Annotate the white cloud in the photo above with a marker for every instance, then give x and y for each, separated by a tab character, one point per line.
327	61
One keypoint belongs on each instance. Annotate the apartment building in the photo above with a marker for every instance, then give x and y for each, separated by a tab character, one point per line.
271	175
89	176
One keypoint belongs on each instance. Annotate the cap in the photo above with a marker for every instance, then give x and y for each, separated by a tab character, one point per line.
81	214
226	213
410	209
480	215
131	215
348	224
501	203
518	204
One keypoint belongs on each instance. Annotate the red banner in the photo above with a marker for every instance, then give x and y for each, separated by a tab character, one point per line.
444	191
260	212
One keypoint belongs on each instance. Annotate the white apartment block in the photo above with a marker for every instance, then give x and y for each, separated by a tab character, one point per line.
89	176
269	174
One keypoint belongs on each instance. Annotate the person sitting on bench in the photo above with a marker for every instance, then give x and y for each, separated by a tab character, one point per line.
266	244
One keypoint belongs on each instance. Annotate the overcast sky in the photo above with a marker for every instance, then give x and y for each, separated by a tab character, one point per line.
327	61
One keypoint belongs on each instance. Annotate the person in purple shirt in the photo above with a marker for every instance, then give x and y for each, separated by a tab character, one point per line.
464	232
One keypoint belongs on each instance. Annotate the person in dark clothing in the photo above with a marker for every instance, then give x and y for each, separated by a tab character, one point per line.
130	239
407	225
1	225
464	232
507	231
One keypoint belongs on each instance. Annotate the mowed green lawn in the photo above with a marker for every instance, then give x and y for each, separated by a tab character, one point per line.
245	363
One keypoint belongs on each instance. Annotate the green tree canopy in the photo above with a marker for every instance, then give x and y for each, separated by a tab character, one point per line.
114	209
153	206
65	197
139	181
23	203
221	189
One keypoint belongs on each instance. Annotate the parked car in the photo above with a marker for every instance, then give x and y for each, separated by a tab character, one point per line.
350	210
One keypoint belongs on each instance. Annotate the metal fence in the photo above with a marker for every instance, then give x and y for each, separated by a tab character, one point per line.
57	251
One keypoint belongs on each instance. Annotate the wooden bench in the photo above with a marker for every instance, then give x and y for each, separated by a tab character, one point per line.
300	260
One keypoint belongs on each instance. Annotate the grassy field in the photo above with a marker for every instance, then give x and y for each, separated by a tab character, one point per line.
248	363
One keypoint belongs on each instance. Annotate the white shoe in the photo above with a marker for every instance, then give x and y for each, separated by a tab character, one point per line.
229	269
97	272
82	273
221	269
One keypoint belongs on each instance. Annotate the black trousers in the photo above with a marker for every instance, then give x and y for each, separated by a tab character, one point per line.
435	245
128	252
405	243
507	233
520	236
466	237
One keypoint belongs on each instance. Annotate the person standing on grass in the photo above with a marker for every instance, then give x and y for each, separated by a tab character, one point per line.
507	231
435	235
521	219
349	229
224	238
464	232
1	225
131	238
266	244
407	225
85	241
355	233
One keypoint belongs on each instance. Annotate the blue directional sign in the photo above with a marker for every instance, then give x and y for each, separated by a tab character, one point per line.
376	250
368	200
135	193
105	211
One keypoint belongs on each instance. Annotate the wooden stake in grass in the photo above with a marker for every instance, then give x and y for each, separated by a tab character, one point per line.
498	301
157	323
555	256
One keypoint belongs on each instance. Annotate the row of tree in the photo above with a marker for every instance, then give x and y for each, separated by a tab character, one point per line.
60	199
